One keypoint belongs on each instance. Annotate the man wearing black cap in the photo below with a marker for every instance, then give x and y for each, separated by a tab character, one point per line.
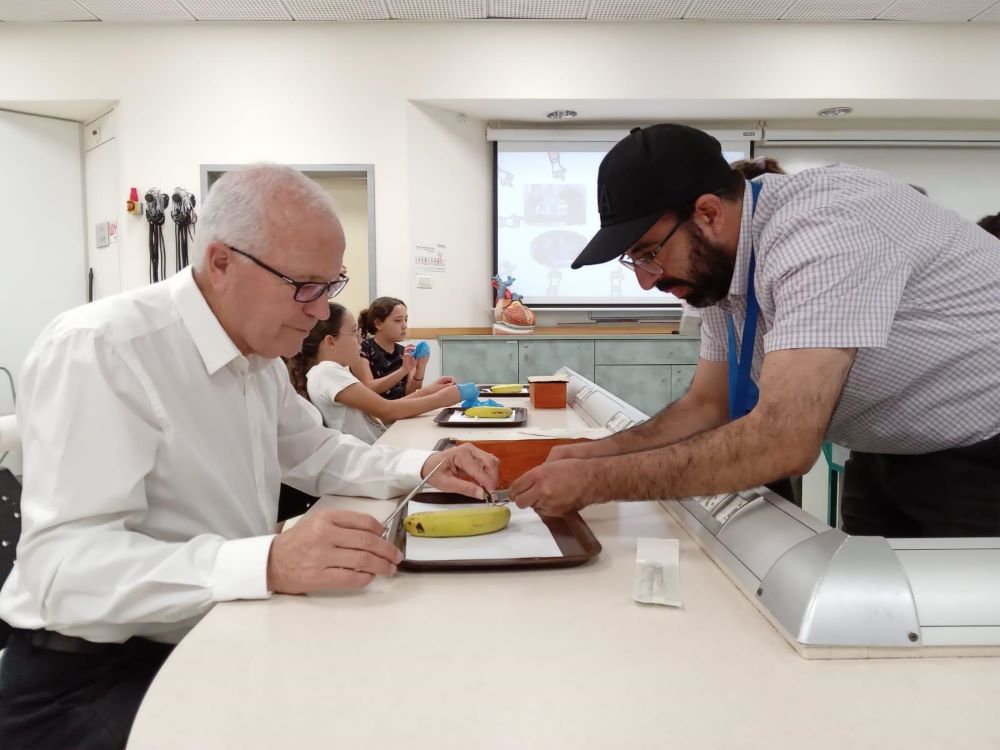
838	304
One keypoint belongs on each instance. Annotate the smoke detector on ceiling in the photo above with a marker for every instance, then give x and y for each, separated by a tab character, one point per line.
835	111
561	114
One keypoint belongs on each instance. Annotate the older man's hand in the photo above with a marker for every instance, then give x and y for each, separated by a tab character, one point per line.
330	549
462	463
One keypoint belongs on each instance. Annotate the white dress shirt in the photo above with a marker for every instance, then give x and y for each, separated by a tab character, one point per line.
323	382
153	455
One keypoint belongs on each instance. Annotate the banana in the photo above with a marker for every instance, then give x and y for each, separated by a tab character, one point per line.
458	522
515	388
489	412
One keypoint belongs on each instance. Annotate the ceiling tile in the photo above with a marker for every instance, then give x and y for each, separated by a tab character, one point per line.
836	10
737	10
147	11
990	14
935	10
158	11
43	11
538	8
237	10
627	10
434	10
337	10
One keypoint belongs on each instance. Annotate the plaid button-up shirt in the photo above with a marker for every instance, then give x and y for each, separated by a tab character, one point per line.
851	258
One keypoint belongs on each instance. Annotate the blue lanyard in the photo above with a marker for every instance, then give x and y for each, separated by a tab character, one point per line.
743	391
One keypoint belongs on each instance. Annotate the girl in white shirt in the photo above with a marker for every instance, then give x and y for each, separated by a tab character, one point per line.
321	372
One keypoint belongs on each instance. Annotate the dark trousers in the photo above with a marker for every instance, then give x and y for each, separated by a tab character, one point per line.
954	492
293	502
53	700
789	488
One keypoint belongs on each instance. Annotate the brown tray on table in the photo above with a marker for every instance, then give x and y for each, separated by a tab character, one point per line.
571	533
516	456
444	416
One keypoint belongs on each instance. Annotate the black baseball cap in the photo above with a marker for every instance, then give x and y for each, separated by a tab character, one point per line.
647	172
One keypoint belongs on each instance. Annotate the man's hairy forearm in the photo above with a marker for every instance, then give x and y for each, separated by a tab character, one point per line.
732	457
682	419
779	438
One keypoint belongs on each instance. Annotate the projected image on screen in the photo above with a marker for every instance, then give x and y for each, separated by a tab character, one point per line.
555	205
546	214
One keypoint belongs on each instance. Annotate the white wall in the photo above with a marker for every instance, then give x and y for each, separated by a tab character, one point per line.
451	202
103	202
350	93
966	180
41	245
350	196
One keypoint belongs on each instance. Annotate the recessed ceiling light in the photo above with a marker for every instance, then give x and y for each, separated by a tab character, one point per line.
561	114
835	111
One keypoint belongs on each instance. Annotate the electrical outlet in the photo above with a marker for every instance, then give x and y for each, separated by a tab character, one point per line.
424	282
101	235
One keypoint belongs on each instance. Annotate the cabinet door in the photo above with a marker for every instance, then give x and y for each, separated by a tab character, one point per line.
646	352
545	357
480	361
680	380
646	387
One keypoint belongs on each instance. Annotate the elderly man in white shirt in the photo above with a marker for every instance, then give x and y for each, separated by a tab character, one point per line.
158	425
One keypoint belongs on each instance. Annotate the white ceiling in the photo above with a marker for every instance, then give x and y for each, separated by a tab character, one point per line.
873	113
159	11
80	110
930	114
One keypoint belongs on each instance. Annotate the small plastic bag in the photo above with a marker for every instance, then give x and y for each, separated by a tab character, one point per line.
468	392
657	572
479	402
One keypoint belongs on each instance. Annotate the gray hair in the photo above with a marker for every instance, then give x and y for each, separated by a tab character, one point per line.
239	204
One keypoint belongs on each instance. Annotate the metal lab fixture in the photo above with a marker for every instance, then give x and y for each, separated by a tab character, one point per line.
833	595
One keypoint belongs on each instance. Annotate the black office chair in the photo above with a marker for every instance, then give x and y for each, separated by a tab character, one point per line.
10	515
10	532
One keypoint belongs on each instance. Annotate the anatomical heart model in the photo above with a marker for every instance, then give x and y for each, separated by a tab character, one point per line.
510	316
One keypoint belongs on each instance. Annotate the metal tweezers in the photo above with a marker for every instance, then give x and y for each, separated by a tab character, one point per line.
498	497
402	503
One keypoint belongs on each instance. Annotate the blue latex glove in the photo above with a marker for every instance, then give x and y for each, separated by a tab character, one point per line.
422	350
468	391
476	402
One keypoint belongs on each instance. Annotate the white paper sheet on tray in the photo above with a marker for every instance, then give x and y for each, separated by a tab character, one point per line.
458	417
525	536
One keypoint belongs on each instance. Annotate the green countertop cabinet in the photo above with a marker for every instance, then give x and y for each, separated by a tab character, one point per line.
648	372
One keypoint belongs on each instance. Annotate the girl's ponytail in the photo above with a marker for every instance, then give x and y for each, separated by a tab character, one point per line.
299	365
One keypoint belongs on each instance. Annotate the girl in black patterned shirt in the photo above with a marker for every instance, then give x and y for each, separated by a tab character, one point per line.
392	372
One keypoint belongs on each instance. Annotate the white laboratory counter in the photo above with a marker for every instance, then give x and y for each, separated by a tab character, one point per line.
554	658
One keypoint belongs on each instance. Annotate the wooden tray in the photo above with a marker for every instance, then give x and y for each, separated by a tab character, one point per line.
484	391
516	456
572	535
520	417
